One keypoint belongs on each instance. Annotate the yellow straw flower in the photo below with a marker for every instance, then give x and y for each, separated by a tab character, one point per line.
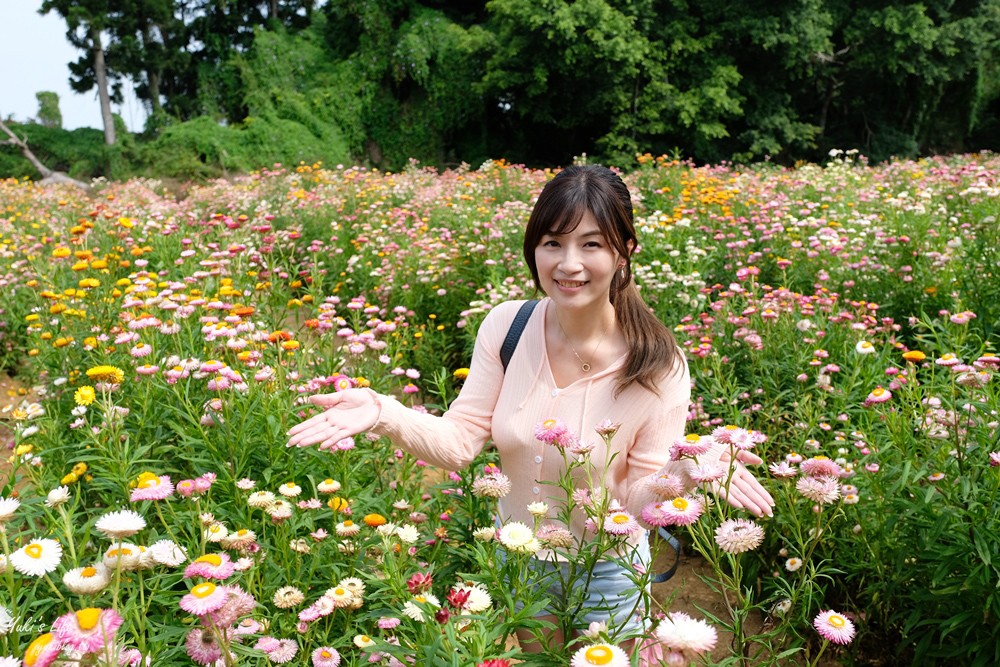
110	374
85	395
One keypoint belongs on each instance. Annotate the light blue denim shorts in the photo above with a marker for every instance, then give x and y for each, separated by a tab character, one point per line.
610	595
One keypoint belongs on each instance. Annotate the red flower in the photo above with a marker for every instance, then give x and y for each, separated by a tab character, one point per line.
419	583
495	662
458	598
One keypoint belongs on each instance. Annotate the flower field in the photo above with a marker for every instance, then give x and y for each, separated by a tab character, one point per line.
839	320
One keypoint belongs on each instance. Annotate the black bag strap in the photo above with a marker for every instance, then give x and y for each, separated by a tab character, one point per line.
676	545
515	331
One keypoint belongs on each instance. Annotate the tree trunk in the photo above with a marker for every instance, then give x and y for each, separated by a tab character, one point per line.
100	70
153	74
48	176
273	9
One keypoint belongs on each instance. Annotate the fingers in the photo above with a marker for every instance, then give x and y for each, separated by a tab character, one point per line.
311	431
326	400
746	492
749	458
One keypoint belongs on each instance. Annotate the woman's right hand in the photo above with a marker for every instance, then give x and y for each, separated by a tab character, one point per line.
347	413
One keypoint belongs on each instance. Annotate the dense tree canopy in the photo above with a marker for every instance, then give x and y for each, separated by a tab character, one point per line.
539	81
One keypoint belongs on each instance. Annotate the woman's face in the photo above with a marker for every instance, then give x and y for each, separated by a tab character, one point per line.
575	269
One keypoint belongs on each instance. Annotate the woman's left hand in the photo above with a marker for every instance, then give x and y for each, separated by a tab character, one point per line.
745	491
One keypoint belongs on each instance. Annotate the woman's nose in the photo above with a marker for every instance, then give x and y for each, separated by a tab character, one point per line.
570	260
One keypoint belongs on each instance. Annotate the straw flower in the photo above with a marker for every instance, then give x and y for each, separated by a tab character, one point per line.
494	485
7	508
85	395
109	374
834	627
411	608
325	656
88	630
204	598
518	537
87	580
43	651
680	632
210	566
600	654
37	558
738	535
124	523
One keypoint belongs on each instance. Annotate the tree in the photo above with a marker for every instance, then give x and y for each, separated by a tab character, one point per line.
85	20
48	109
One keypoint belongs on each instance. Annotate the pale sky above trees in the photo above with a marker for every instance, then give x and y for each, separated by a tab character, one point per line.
35	53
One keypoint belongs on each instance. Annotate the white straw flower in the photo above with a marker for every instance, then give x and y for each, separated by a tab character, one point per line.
123	523
37	558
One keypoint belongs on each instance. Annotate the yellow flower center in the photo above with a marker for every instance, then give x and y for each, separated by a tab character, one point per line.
549	423
123	552
242	531
339	591
692	437
620	518
325	654
598	655
34	550
216	528
203	590
836	621
88	572
420	598
36	649
87	618
328	481
290	485
680	504
878	391
213	559
365	639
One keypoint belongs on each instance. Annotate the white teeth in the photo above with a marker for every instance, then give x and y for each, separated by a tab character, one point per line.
566	283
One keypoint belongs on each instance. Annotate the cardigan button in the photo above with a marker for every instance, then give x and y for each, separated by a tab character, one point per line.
555	392
535	490
538	459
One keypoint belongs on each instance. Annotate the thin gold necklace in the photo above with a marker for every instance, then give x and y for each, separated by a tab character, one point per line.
584	365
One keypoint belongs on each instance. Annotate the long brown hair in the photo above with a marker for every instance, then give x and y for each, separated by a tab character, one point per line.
652	350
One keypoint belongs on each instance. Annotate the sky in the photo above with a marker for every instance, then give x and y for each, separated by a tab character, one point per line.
34	56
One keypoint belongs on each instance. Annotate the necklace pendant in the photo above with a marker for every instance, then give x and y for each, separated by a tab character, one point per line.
586	368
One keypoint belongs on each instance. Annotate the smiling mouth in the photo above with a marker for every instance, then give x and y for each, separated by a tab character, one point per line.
570	283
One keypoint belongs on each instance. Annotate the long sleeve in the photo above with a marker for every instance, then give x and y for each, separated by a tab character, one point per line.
650	453
451	441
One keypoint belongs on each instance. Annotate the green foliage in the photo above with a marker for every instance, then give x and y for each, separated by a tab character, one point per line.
81	153
48	109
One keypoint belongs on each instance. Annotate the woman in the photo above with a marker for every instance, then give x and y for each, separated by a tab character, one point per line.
591	351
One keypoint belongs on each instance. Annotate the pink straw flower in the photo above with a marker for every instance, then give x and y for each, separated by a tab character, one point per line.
620	523
834	627
738	535
878	395
202	647
211	566
204	598
152	488
681	511
823	490
325	656
666	486
552	432
88	630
